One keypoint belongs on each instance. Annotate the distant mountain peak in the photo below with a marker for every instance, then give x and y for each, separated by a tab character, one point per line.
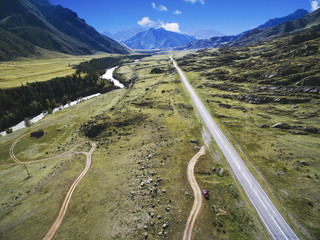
158	38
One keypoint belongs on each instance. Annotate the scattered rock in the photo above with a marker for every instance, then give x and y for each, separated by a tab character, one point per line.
163	91
146	236
163	190
194	141
145	227
264	126
159	217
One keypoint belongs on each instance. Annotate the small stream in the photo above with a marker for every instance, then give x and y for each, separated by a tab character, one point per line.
107	76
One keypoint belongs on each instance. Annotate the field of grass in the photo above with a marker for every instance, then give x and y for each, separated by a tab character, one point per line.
143	135
284	161
50	65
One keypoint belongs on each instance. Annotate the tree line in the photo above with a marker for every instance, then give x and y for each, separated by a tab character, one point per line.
33	98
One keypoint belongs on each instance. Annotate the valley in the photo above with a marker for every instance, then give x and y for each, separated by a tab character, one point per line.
201	136
138	175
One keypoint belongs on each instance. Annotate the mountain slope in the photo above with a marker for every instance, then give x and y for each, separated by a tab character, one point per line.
265	30
257	35
158	39
55	28
276	21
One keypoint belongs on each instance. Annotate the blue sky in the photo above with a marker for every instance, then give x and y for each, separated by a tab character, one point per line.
226	16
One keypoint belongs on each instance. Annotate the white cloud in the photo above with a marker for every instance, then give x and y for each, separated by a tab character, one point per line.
194	1
177	12
315	5
146	22
173	27
162	8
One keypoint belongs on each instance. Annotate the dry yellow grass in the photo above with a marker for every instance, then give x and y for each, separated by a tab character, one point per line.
50	65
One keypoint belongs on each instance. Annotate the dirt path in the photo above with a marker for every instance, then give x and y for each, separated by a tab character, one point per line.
197	195
63	209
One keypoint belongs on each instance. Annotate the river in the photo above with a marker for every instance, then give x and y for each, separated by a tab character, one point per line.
107	76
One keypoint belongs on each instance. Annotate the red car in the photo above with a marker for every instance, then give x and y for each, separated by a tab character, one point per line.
205	194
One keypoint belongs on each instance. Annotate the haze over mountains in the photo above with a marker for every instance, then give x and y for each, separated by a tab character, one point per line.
28	24
124	34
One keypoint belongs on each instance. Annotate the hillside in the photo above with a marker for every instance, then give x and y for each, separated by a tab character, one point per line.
39	23
266	96
158	39
257	35
272	27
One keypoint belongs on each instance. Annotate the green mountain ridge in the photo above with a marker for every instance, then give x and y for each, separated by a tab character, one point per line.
272	28
258	35
41	24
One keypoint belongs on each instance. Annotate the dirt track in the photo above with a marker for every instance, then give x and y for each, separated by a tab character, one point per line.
197	195
63	209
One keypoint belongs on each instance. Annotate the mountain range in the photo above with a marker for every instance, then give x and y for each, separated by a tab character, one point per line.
204	33
272	27
26	25
158	39
124	34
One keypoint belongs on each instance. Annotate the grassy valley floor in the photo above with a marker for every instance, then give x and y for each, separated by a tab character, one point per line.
137	183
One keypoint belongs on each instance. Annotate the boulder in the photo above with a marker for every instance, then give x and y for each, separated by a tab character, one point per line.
310	129
309	81
221	172
164	226
303	163
194	141
264	126
281	125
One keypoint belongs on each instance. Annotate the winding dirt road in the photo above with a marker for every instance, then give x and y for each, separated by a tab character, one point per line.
63	209
197	195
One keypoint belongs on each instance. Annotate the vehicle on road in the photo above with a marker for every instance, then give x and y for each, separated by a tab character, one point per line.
205	194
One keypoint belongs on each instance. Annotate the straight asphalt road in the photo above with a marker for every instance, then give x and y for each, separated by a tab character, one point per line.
275	223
